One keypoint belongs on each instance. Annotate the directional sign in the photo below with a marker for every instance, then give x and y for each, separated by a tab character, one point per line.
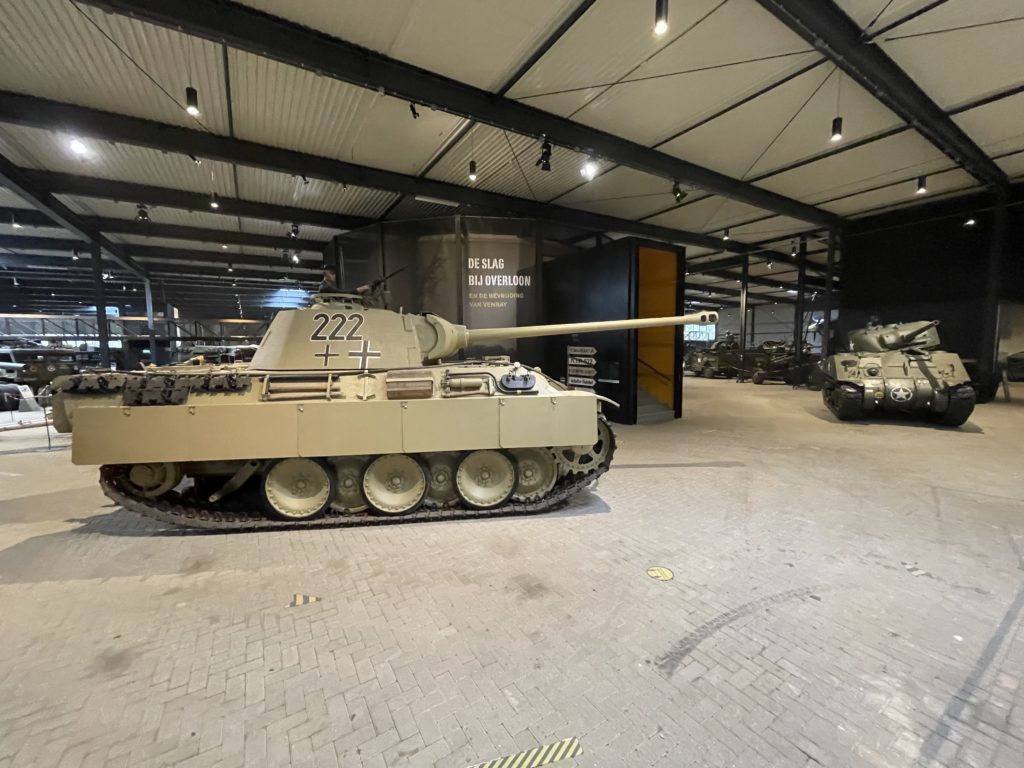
582	361
580	381
581	350
577	370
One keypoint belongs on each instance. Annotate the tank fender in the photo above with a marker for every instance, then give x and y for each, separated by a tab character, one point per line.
608	400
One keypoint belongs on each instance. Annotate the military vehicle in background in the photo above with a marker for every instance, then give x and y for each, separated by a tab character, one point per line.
1015	366
36	367
348	413
898	368
203	354
721	358
780	364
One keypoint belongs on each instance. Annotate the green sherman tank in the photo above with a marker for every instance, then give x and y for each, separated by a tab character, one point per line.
347	414
898	368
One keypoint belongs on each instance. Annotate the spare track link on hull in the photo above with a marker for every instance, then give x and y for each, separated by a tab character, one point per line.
239	516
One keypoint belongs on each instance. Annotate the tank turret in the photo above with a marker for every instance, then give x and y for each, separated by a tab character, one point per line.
340	333
898	368
347	414
880	338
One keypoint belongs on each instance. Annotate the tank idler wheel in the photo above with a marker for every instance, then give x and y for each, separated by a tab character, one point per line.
395	484
297	488
538	472
348	472
441	471
154	480
587	458
486	479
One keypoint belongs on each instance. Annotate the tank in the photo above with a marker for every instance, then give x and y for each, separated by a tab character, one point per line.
898	368
348	413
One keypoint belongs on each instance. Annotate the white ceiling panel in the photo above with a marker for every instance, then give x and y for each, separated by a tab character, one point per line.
60	50
887	160
1013	165
622	192
903	193
989	56
612	39
47	150
284	189
506	163
710	214
8	228
997	127
9	199
300	110
481	42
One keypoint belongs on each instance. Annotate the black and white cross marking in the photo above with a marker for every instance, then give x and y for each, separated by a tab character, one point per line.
327	354
364	354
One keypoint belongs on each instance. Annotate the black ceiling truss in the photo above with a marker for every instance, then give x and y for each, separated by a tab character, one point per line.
51	115
126	191
248	268
14	179
270	37
826	27
31	218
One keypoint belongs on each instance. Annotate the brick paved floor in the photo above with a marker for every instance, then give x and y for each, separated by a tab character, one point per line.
844	594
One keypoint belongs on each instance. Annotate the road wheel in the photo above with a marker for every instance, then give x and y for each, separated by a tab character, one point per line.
298	488
707	372
441	471
758	377
395	484
486	479
538	471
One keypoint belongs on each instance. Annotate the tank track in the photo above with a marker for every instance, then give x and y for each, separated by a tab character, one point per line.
235	515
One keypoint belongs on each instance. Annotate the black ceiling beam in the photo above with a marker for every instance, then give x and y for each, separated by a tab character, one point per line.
30	218
826	27
12	177
158	270
264	35
43	113
125	191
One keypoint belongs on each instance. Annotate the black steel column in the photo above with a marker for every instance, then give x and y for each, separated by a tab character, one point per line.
753	325
830	270
680	335
744	279
988	349
798	308
101	306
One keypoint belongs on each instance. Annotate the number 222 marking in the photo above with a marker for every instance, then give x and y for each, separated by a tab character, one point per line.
337	334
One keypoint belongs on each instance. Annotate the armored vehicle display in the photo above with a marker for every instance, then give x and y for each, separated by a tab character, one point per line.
36	366
898	368
347	414
778	363
722	358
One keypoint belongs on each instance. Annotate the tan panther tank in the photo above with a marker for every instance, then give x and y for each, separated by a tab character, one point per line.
346	414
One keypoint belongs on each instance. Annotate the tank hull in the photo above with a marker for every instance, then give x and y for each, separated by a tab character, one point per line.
933	385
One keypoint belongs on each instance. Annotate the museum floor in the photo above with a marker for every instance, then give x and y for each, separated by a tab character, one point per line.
843	594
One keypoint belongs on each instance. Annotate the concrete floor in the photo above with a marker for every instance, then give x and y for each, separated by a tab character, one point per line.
843	594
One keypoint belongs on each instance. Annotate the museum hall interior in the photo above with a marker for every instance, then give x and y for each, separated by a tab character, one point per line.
512	383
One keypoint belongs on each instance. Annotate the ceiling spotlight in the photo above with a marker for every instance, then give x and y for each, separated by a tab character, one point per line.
230	268
837	129
589	169
79	148
106	275
52	293
294	231
142	213
544	161
792	250
412	108
660	17
124	287
970	223
192	101
305	180
15	282
770	264
14	222
677	193
472	170
224	246
195	159
74	255
725	234
922	185
214	202
295	258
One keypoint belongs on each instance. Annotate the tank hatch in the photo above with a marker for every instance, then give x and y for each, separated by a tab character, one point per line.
338	336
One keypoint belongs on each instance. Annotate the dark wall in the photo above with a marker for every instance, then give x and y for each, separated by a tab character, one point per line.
595	285
922	263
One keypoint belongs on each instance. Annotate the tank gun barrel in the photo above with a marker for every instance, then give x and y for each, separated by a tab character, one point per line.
529	331
909	336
